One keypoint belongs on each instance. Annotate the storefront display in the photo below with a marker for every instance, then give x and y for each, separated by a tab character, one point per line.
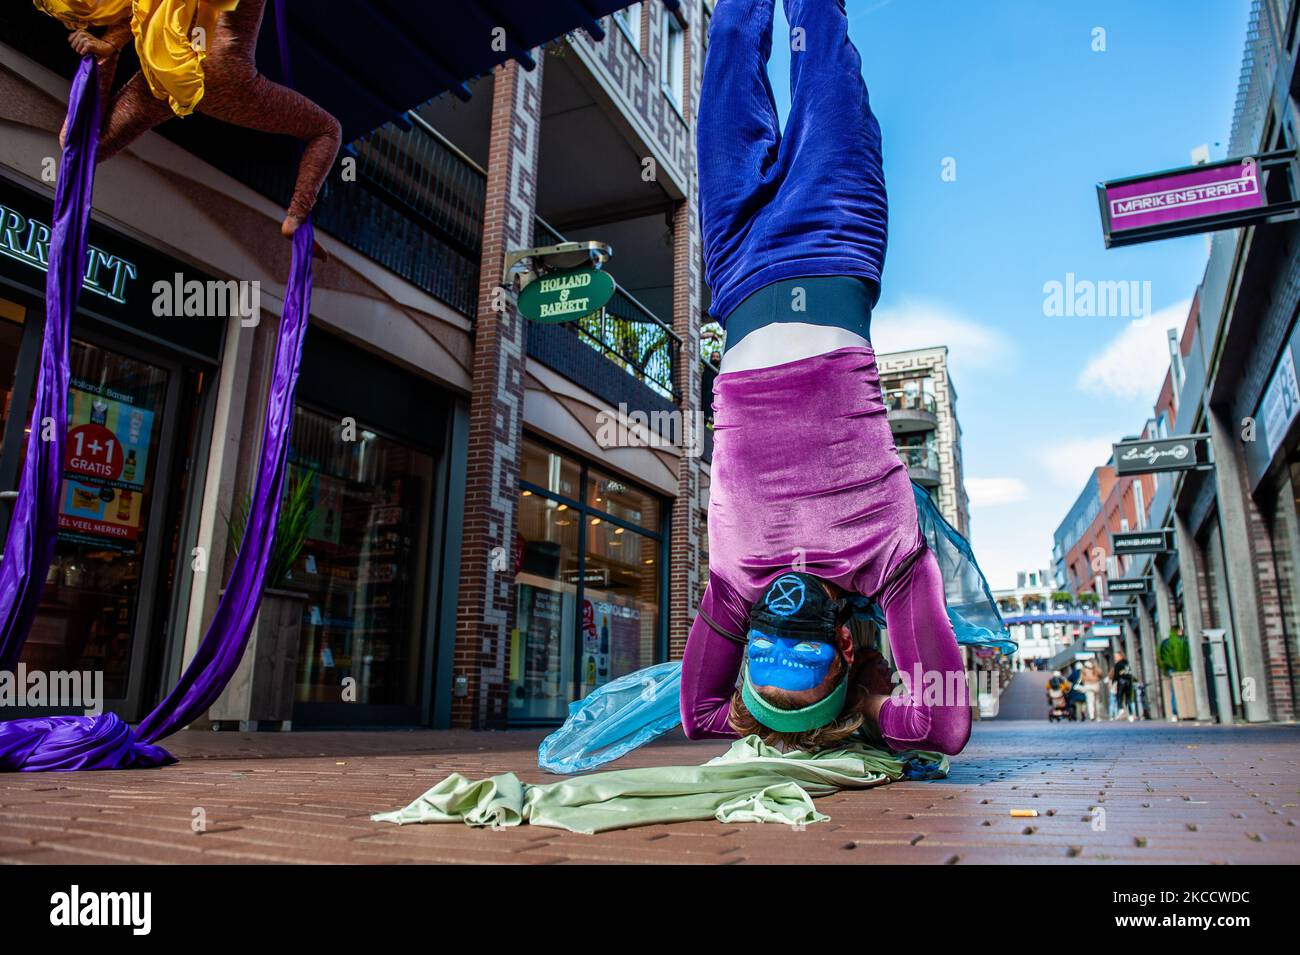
587	605
138	405
88	611
363	565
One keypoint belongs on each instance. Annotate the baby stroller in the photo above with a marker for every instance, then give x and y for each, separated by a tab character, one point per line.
1058	695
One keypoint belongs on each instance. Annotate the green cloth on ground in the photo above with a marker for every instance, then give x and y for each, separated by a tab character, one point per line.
751	782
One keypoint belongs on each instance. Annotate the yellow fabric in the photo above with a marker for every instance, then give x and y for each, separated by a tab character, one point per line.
167	33
171	39
79	14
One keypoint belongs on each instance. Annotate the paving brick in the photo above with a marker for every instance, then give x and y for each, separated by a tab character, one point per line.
1170	793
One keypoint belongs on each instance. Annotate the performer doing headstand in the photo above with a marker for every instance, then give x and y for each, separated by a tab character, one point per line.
805	473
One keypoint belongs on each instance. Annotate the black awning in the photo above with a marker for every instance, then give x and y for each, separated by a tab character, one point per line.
370	62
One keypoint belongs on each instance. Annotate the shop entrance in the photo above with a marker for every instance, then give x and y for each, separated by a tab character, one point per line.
119	506
368	437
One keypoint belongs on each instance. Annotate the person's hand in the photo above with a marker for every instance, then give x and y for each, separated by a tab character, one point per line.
87	44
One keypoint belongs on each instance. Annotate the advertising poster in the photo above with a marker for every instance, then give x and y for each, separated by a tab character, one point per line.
327	506
540	613
624	640
104	465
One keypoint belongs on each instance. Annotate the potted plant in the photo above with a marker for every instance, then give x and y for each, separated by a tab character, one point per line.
262	688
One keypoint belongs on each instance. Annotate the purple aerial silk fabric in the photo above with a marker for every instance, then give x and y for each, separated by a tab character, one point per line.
223	645
104	741
29	548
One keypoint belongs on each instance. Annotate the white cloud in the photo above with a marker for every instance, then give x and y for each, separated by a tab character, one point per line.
917	324
1133	365
995	491
1070	462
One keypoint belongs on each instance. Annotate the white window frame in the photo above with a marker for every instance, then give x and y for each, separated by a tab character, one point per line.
629	21
672	62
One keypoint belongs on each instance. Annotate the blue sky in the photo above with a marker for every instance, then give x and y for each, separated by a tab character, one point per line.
1013	91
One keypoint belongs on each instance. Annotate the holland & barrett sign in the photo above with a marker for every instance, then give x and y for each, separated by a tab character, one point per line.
565	296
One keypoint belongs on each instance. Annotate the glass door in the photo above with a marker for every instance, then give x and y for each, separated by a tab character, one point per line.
362	571
90	609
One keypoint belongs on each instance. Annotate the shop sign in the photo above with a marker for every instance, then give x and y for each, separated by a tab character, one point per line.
565	296
1191	199
1180	453
1104	630
1117	613
1139	585
1281	401
26	239
1156	541
1098	643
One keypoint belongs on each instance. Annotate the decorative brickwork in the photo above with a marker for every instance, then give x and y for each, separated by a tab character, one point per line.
631	77
486	610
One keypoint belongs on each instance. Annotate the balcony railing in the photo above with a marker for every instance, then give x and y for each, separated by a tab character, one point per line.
901	400
419	213
627	333
920	457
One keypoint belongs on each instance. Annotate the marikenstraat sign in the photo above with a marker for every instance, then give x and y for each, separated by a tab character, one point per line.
1190	199
565	296
1179	453
1142	542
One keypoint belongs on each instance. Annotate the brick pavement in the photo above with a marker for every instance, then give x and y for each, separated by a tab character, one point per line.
1171	793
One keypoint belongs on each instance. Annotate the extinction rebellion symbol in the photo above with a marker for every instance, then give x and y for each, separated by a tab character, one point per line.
787	596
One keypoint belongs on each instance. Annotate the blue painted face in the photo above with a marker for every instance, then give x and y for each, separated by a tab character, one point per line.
786	662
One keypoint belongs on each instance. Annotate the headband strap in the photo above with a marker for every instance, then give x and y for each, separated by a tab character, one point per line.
821	713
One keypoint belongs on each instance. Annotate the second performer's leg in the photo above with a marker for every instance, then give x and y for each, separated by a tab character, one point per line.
133	112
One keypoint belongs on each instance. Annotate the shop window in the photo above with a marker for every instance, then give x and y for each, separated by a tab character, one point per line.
546	594
620	498
89	606
12	316
620	604
363	568
589	573
550	471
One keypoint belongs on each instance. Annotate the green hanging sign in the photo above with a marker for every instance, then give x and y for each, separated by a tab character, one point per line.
565	296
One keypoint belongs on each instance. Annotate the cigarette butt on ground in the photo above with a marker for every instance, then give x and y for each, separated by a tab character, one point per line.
1024	813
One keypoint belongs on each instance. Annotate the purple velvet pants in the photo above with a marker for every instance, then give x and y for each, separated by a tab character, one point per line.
805	473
